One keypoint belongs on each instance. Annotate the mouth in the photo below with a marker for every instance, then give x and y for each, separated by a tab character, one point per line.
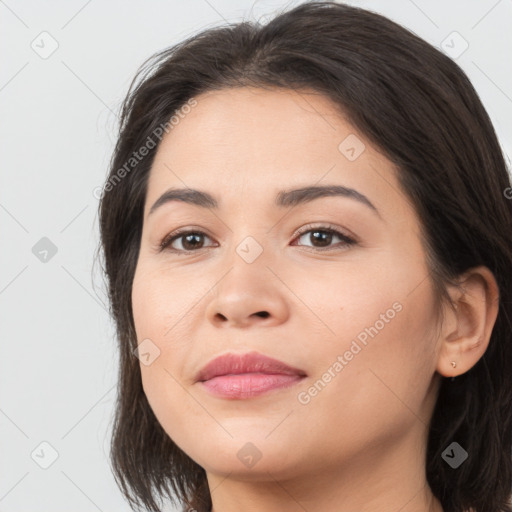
240	376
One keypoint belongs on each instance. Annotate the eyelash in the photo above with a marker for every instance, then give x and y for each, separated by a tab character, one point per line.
175	235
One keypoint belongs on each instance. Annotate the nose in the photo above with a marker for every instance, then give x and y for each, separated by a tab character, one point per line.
250	294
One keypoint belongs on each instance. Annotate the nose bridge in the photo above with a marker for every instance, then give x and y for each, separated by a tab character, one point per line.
250	233
248	265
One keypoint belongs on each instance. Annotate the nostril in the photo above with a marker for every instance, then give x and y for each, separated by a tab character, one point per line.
263	314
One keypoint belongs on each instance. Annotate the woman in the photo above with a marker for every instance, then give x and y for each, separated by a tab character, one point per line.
306	237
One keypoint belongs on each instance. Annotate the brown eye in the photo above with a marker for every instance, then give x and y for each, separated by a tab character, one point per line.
189	240
322	237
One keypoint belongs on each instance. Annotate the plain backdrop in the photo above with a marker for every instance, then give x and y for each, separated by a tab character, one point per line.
65	67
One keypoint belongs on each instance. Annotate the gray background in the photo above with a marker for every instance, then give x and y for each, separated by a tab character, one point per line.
58	365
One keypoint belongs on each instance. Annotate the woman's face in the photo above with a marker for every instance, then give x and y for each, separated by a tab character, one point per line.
356	317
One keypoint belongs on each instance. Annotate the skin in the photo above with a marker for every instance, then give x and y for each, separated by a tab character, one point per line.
359	444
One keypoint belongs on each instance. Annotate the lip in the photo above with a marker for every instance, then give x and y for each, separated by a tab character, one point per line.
247	375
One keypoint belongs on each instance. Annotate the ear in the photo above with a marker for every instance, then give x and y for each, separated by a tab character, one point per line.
467	327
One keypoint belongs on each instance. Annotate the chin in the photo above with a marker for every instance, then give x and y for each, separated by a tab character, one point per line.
245	456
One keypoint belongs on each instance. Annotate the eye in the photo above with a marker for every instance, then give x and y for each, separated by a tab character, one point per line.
322	236
190	241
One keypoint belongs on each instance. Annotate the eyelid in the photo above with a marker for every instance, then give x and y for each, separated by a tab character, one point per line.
324	226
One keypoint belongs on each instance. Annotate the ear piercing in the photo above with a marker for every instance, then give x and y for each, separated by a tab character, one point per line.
454	364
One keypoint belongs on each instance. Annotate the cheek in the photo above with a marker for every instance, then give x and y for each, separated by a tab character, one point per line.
160	301
378	316
371	376
361	295
160	306
142	294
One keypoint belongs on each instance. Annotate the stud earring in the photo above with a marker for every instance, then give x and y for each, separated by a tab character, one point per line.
454	364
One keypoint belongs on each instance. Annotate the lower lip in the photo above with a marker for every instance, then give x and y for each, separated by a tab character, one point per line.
248	385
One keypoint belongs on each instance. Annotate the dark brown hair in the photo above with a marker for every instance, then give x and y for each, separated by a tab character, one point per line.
415	105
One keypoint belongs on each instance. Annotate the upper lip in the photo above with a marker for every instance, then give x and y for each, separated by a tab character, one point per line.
250	362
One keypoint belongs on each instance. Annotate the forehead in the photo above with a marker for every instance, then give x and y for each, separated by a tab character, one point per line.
241	118
265	140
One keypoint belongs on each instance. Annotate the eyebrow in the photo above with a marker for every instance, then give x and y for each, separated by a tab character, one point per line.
284	199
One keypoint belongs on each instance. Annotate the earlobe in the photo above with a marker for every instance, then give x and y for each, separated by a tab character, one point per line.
467	327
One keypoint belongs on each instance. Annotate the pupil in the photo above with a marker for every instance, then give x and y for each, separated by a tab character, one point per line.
324	238
188	237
